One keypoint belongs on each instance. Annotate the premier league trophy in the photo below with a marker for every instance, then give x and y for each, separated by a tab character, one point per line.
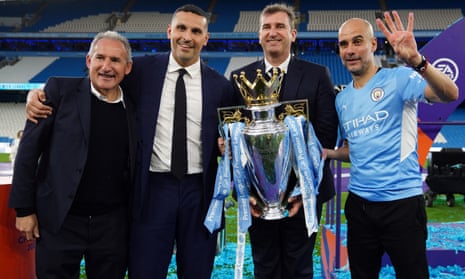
268	140
264	141
269	160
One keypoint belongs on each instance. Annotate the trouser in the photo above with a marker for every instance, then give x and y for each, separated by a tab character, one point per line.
102	240
281	249
395	227
173	214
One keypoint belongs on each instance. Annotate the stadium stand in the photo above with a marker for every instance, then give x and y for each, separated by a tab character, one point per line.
12	119
38	39
25	69
329	20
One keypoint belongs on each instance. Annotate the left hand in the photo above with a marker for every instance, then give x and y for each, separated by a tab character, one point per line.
402	41
222	147
294	205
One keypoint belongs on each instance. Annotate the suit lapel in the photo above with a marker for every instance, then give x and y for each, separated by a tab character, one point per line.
293	76
83	105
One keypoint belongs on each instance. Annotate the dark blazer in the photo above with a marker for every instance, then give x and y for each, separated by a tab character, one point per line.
53	153
145	83
306	80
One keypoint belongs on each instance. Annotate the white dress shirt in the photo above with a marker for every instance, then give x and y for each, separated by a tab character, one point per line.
161	154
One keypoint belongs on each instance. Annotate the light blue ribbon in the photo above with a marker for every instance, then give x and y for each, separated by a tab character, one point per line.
242	186
241	177
222	188
307	162
315	150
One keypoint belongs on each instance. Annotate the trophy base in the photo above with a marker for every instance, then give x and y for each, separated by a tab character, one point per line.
274	213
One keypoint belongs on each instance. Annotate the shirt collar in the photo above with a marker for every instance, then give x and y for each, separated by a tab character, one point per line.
192	70
103	98
283	65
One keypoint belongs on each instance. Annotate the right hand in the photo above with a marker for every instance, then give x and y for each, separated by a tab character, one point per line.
35	109
255	210
29	226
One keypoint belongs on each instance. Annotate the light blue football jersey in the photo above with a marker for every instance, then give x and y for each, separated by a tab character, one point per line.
380	123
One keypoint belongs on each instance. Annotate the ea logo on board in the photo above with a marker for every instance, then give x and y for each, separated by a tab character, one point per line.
448	67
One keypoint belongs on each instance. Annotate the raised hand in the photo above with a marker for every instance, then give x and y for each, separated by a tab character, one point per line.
402	41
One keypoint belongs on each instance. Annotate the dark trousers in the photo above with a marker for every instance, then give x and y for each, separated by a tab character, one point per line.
173	215
281	249
395	227
102	240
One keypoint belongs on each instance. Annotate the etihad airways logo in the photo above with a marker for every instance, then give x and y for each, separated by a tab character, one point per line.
365	124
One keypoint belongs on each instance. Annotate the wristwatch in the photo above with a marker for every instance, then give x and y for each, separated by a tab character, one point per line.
421	68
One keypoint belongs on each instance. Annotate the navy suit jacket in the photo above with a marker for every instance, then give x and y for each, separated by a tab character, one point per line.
306	80
145	84
53	153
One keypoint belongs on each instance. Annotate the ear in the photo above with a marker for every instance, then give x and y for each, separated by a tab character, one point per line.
293	35
168	31
374	44
207	36
88	58
128	68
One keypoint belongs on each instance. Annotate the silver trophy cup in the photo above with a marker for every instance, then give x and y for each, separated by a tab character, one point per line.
268	162
269	159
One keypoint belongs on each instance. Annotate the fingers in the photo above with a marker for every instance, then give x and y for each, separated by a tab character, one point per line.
381	25
221	145
35	109
28	227
255	211
410	22
36	232
294	205
389	23
397	21
324	154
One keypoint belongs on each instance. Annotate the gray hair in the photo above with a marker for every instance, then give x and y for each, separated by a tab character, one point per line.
112	35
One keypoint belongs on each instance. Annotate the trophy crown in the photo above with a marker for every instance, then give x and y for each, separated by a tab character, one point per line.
261	92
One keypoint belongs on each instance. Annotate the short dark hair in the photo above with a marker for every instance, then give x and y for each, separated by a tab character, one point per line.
192	9
280	7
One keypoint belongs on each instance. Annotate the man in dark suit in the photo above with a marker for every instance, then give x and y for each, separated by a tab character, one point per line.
170	208
282	248
73	170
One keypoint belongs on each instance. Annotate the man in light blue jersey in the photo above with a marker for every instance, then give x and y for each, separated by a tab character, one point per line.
385	209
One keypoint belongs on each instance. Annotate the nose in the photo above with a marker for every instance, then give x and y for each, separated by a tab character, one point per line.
106	64
273	31
349	49
187	36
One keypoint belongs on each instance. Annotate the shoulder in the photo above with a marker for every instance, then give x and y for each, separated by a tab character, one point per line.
307	65
66	82
213	74
149	59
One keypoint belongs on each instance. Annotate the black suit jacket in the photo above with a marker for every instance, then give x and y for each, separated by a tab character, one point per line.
306	80
52	154
145	83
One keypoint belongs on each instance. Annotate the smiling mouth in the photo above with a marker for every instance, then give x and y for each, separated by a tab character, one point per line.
106	76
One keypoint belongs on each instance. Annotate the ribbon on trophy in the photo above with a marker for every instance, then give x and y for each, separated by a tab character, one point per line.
222	188
242	186
309	166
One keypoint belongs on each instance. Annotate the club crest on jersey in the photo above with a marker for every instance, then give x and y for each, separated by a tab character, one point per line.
377	94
